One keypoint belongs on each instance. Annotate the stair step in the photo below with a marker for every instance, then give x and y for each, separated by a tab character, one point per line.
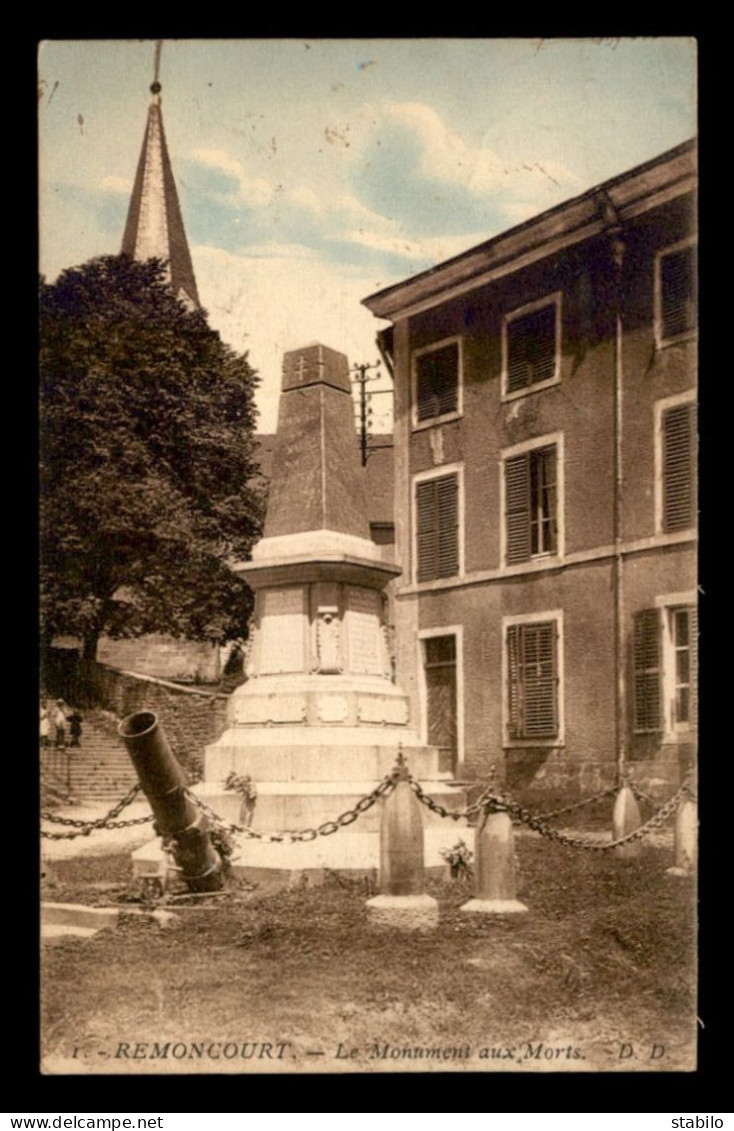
99	770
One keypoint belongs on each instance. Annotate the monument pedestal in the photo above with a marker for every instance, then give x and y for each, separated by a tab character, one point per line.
319	722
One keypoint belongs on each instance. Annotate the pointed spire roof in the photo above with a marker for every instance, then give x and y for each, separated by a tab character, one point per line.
154	225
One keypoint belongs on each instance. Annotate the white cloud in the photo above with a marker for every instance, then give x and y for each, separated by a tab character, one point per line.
445	156
218	159
307	198
269	305
114	183
272	249
251	191
432	248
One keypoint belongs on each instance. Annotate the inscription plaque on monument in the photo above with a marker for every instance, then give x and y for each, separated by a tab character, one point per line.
283	630
364	631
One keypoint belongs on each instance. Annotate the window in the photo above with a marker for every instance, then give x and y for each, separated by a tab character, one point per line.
682	626
532	680
437	527
648	666
665	666
531	346
437	381
531	504
439	674
678	427
677	292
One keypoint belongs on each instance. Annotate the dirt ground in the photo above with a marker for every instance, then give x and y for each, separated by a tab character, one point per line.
598	975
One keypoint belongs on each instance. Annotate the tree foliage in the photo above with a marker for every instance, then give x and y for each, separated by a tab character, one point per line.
146	423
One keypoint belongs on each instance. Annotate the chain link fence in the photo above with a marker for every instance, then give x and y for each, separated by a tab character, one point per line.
501	802
301	836
488	800
107	822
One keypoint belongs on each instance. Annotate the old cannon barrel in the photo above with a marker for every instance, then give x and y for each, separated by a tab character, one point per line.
177	819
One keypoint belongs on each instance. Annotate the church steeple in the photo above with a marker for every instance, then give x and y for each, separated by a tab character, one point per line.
154	224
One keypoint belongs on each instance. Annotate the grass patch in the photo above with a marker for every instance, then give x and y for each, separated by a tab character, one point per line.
605	957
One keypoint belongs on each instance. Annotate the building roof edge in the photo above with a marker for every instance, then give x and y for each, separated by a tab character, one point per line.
645	186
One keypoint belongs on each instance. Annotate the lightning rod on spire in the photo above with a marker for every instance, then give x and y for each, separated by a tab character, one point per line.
155	86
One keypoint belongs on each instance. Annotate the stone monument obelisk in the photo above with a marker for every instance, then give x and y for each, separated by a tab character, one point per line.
319	720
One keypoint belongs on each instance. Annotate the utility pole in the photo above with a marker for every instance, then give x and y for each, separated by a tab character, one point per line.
360	376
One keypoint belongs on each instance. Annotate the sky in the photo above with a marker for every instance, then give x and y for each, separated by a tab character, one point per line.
312	173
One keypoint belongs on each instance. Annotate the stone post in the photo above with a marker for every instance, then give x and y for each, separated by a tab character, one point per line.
625	819
494	861
402	902
685	835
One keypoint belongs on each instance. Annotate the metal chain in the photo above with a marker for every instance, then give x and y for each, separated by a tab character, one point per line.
113	812
656	821
454	814
500	802
487	799
297	836
578	805
640	795
106	822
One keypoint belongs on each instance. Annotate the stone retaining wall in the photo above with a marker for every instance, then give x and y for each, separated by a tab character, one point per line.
191	718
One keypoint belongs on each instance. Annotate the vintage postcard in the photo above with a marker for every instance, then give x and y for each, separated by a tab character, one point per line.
368	703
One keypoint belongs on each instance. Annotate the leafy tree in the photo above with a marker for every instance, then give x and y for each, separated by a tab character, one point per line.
146	422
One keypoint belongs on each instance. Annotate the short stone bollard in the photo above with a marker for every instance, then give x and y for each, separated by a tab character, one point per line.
494	861
625	819
402	902
685	838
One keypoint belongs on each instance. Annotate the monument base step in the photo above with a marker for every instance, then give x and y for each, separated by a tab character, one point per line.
310	754
295	805
310	861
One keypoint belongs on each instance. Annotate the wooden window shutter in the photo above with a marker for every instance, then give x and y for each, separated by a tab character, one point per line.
514	687
540	678
679	466
427	530
531	348
532	671
448	526
648	671
437	380
437	533
678	284
517	503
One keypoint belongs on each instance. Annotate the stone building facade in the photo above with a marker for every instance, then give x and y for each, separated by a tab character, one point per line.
545	496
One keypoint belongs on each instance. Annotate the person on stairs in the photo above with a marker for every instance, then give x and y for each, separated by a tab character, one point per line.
45	724
75	727
58	718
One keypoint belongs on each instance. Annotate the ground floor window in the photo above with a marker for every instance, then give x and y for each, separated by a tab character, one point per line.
665	664
440	674
533	709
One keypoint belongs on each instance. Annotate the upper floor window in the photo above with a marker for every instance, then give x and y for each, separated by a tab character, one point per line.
531	346
676	442
437	549
676	285
532	502
437	382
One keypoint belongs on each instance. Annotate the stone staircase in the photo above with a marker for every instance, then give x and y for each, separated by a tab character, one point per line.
100	769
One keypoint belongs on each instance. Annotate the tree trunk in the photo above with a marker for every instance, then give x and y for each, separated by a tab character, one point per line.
91	640
87	669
